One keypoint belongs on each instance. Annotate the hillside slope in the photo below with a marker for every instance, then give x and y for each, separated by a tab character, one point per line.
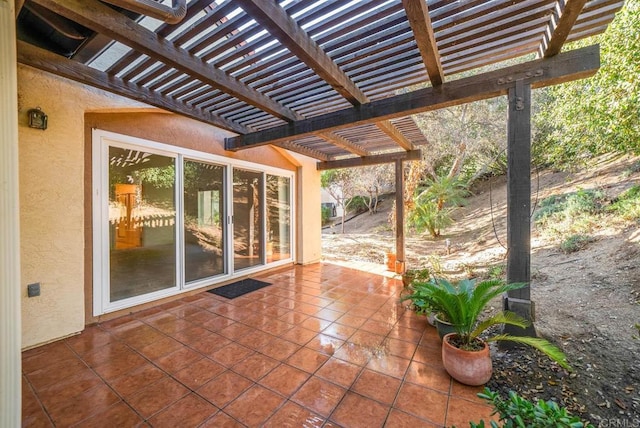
587	301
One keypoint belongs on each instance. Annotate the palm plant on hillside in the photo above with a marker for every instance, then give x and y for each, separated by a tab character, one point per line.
433	206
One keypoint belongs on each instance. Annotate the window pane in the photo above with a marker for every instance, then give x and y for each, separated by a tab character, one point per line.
142	218
203	220
247	218
278	218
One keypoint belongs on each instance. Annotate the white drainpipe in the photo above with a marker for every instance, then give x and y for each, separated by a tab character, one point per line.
170	15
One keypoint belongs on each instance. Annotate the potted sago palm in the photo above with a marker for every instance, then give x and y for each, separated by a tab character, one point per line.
465	354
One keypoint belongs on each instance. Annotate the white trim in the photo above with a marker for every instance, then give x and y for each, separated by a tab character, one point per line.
101	141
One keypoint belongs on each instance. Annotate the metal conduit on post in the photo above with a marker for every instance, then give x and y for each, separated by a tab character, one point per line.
170	15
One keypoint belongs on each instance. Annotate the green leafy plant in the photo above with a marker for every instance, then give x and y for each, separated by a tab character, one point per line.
575	213
426	216
326	214
497	272
434	205
519	412
627	205
463	302
575	243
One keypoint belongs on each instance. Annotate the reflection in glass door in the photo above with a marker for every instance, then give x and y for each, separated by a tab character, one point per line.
203	220
247	218
142	220
278	218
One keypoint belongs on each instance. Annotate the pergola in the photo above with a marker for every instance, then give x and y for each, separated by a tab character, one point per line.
331	79
334	80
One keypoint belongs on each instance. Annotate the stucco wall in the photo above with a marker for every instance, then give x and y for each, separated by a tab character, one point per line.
52	204
55	208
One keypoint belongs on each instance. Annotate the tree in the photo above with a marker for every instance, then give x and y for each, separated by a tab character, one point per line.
371	181
464	139
341	185
600	114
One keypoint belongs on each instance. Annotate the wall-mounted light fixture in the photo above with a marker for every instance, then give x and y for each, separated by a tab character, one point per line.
37	118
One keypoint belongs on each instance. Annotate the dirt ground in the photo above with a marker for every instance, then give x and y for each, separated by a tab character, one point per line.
587	302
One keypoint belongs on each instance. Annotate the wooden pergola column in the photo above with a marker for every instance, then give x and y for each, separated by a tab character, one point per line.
400	262
519	205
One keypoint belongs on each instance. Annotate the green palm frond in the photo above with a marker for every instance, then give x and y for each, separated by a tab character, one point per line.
504	317
541	345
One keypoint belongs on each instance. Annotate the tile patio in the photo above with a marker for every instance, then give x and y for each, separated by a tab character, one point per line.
323	346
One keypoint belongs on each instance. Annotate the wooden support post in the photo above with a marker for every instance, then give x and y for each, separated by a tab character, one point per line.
400	266
519	204
10	330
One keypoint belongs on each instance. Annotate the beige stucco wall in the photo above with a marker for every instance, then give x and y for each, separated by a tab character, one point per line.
54	176
308	200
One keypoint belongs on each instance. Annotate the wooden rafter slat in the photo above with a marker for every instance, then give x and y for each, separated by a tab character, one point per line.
494	48
163	31
506	33
103	19
420	22
564	67
370	160
342	142
272	17
395	134
500	18
316	154
462	66
519	21
559	33
52	63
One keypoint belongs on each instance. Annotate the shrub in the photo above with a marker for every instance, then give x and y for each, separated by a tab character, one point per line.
427	216
497	272
627	205
516	411
358	204
575	243
326	214
570	214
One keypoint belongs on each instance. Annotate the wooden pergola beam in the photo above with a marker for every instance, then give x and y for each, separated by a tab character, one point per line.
56	64
276	21
19	4
104	20
420	21
395	134
568	16
564	67
370	160
342	142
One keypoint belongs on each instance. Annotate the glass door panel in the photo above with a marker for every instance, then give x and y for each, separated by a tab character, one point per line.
204	217
142	220
278	218
247	218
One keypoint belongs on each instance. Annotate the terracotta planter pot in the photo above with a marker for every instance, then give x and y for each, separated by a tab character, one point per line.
468	367
390	260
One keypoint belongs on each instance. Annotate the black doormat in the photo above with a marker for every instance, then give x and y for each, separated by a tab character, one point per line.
239	288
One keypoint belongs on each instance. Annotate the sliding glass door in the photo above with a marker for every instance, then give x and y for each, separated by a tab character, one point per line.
248	198
204	220
166	219
278	218
142	223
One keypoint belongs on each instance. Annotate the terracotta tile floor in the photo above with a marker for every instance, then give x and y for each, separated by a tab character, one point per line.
324	345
